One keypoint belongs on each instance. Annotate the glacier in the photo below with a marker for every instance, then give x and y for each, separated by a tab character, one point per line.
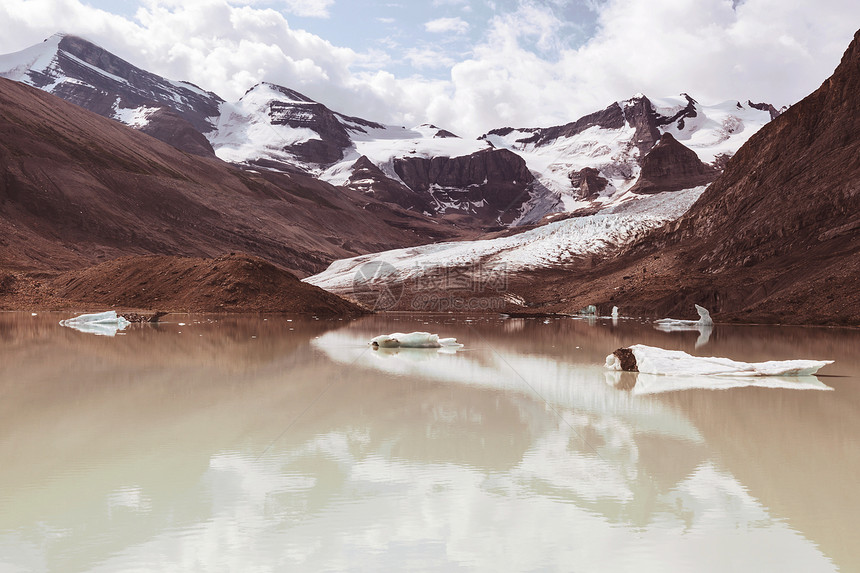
552	245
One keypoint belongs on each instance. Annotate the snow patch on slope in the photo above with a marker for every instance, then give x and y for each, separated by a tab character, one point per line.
38	58
383	145
716	130
719	129
244	131
133	117
611	151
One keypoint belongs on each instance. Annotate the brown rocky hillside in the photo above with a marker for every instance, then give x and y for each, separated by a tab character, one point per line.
776	238
77	189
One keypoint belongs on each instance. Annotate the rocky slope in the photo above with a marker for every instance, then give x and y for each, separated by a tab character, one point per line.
492	184
670	166
230	283
76	188
150	283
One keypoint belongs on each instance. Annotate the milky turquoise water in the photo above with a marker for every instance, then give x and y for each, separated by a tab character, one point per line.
258	444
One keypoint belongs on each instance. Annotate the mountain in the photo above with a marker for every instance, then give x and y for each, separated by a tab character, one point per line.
671	166
605	150
425	168
506	177
78	71
77	188
776	238
276	127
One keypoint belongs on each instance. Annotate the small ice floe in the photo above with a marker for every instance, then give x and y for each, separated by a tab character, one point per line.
704	326
101	323
413	340
651	360
589	310
672	324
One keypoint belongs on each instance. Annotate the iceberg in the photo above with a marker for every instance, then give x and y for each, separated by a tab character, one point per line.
413	340
704	326
652	360
672	324
100	323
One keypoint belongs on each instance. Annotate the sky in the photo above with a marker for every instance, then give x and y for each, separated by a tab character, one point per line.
466	65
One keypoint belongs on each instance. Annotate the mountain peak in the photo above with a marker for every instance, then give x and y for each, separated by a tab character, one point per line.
671	166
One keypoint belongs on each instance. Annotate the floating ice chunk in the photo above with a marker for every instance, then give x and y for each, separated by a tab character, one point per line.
651	360
589	310
704	316
413	340
101	323
704	326
672	324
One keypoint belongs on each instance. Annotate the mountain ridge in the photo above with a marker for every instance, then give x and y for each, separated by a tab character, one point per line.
77	188
277	128
773	239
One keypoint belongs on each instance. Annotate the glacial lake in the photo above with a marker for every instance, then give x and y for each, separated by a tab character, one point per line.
256	443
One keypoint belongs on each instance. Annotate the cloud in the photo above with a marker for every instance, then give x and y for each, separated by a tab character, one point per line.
315	8
428	58
447	25
523	74
305	8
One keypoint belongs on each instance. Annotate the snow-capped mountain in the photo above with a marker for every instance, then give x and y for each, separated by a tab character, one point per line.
424	168
89	76
273	126
506	177
597	158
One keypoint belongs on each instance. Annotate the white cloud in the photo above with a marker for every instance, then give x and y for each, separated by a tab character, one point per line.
306	8
427	58
317	8
446	25
766	50
522	72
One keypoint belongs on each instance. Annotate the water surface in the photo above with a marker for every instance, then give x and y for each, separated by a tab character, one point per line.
262	444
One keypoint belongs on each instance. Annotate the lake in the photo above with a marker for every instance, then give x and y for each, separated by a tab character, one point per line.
259	443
